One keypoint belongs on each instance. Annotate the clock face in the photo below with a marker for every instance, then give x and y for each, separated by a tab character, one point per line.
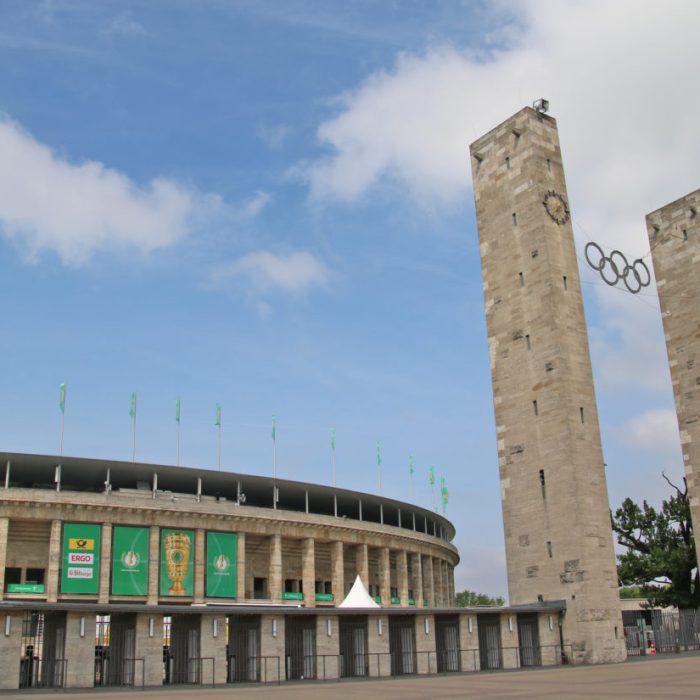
555	205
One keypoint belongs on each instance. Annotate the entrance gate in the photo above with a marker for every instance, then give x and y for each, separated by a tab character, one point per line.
353	646
181	649
243	649
43	642
300	647
490	654
402	645
114	652
447	643
529	641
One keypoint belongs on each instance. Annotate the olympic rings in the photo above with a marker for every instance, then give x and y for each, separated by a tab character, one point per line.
615	267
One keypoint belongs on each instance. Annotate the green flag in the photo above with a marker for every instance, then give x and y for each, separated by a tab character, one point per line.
333	439
379	455
62	397
177	411
410	465
431	475
132	408
274	430
218	415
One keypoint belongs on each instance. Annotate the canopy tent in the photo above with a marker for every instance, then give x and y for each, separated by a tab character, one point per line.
358	597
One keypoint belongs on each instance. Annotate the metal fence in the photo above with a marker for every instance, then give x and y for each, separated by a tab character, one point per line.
40	673
669	632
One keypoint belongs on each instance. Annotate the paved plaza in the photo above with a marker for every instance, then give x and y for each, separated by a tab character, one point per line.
668	678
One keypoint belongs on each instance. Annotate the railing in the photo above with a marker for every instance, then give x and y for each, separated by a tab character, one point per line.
193	673
37	673
104	675
254	669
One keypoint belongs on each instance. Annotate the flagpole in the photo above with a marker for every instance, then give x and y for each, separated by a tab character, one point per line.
218	425
62	406
63	421
410	474
177	420
274	449
333	453
132	413
178	444
379	468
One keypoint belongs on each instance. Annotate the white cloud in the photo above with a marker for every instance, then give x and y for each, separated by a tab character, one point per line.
655	430
254	205
48	203
125	25
273	136
294	273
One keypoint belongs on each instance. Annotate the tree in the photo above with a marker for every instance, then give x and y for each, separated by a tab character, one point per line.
660	556
469	599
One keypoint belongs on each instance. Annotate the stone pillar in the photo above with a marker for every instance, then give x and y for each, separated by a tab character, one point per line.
240	567
469	641
338	572
548	632
54	562
272	645
153	565
327	647
429	581
417	566
378	643
199	565
150	649
308	572
439	582
10	650
79	652
402	575
426	657
362	560
275	575
4	528
105	563
212	643
509	640
385	576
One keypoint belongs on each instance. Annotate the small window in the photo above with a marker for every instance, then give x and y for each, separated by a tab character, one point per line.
549	549
566	284
260	588
581	411
549	165
685	234
534	408
508	162
34	576
515	219
542	478
13	575
522	279
527	342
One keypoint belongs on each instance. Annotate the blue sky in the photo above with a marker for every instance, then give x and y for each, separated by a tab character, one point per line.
268	206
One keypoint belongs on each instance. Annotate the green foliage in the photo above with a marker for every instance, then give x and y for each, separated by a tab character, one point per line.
660	556
469	599
631	592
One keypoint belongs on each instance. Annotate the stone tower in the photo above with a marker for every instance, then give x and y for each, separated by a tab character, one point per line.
674	237
553	491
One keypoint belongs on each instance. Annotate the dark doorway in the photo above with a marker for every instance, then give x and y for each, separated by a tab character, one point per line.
43	663
300	647
402	645
490	654
529	641
353	646
114	650
181	649
447	643
243	649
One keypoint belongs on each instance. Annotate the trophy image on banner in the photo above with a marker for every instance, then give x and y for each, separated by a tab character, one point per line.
177	558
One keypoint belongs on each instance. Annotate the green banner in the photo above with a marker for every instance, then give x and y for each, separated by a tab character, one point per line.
81	558
176	562
130	561
221	564
25	588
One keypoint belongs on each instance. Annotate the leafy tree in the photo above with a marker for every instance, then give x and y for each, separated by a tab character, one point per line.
660	556
469	599
631	592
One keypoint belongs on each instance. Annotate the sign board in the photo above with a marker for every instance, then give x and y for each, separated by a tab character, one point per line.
130	561
221	564
176	562
80	571
26	588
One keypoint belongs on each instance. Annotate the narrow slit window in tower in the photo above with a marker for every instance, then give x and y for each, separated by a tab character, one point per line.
527	342
549	165
534	408
549	549
522	279
685	235
581	411
515	219
566	285
542	483
508	162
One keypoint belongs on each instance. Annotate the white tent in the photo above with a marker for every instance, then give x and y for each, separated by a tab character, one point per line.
358	597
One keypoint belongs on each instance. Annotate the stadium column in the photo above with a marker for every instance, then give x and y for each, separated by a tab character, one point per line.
385	575
402	575
149	647
275	575
199	565
4	528
417	583
240	567
362	563
105	562
308	572
154	564
79	646
429	581
54	562
338	573
213	646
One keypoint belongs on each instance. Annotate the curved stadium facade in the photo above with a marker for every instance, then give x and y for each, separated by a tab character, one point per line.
167	575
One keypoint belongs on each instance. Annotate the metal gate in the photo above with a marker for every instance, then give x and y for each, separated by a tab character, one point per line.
529	637
353	646
300	647
42	664
181	660
447	643
490	653
402	645
243	649
114	650
675	630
